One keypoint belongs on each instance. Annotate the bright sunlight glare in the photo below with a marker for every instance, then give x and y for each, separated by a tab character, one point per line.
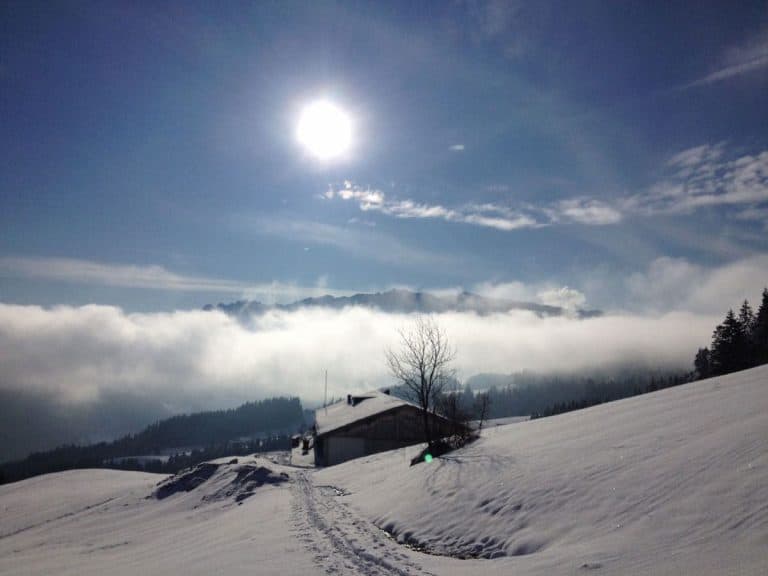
324	130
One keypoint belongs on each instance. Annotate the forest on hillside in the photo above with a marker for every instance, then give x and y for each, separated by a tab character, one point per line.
738	343
186	439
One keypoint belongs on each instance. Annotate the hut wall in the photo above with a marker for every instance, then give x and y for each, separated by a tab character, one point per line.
381	432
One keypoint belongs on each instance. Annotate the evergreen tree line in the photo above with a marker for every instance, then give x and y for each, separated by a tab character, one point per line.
738	343
219	426
547	395
253	427
656	383
538	395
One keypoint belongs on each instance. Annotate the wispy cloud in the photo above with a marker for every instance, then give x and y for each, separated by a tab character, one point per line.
487	215
746	58
581	210
457	148
149	277
754	213
365	243
706	176
117	275
703	176
501	22
585	211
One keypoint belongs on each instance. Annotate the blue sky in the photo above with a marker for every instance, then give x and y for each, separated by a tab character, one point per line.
149	154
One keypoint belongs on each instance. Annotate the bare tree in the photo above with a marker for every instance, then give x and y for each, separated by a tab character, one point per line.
422	365
482	407
450	406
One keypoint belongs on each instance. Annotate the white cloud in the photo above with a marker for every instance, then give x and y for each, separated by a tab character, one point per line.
699	177
585	211
705	177
192	358
582	210
410	209
756	214
746	58
542	293
677	284
505	223
485	215
705	155
515	291
76	355
457	148
564	297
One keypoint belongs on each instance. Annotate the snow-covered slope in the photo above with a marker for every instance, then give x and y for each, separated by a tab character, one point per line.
96	522
674	482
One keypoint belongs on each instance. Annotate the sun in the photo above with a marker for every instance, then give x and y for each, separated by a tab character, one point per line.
324	130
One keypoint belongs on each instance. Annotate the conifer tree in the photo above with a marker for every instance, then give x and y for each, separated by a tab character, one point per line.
760	331
747	318
701	363
747	349
728	341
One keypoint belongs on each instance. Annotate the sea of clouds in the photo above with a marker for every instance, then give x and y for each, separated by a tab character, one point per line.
85	373
182	359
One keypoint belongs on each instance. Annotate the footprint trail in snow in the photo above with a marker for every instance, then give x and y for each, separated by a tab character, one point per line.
341	541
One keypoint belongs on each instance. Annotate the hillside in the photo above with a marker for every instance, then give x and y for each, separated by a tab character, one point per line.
673	482
180	433
670	482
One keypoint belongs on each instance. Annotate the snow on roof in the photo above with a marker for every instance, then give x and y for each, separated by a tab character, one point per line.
342	413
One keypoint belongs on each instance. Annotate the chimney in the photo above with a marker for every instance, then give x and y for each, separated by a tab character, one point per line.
349	399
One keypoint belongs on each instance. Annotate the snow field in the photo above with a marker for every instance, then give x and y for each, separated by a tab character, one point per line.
671	482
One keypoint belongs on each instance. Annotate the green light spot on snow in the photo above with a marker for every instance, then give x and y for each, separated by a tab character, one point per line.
428	458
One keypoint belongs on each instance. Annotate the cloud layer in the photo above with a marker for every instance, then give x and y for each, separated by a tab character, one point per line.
188	360
183	359
677	284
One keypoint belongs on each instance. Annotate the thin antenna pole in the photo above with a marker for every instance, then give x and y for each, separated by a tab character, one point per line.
325	402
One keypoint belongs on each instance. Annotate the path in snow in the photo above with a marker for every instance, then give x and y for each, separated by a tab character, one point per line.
341	541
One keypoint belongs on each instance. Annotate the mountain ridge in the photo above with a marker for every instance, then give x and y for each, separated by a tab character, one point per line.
405	301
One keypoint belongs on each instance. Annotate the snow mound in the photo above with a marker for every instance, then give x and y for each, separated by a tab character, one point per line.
219	481
186	480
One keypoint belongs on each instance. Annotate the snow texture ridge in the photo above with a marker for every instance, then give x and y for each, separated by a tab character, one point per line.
233	480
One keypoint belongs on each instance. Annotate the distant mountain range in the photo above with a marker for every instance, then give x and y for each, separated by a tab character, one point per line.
404	302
